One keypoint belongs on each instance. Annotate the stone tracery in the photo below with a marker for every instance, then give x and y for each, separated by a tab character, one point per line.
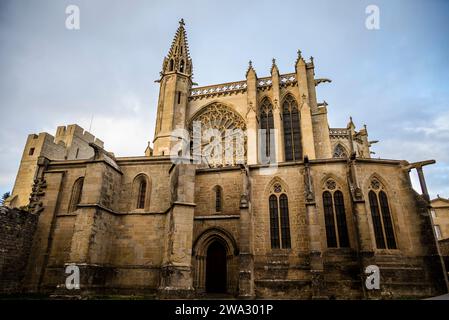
231	127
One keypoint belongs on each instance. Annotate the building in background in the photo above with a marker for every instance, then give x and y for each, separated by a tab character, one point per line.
440	217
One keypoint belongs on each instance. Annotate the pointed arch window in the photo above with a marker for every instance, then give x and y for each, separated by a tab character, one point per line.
292	130
279	218
77	191
267	124
339	152
381	216
142	195
181	66
218	199
172	65
141	191
335	216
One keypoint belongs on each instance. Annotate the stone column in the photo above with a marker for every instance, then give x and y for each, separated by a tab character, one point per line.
306	126
277	114
246	256
94	223
323	149
251	115
176	270
314	232
365	250
308	144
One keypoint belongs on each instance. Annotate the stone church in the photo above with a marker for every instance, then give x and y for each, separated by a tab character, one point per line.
297	210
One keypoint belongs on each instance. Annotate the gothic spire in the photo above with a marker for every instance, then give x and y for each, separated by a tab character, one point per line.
299	57
250	69
274	67
178	58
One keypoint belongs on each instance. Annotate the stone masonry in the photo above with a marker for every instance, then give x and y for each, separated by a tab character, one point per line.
299	214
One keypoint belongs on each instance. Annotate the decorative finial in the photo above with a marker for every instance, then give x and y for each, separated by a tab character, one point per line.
274	61
181	22
250	68
299	54
311	59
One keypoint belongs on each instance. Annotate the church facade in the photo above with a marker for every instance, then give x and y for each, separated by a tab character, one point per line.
296	210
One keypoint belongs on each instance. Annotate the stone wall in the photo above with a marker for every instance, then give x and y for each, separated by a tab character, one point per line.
69	143
16	234
444	250
162	249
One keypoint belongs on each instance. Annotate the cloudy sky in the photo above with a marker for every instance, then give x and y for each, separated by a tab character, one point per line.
394	80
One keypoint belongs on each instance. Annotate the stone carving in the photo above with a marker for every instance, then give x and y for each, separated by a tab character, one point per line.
331	184
317	284
319	81
338	133
375	184
38	191
339	152
322	104
308	182
356	192
221	89
277	188
264	82
249	109
288	79
245	196
238	87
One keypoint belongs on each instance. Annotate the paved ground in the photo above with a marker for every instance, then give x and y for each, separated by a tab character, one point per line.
442	297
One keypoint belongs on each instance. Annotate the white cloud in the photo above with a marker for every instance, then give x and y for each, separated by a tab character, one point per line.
438	127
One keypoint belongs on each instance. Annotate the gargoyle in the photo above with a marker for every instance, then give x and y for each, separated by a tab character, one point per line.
318	81
322	104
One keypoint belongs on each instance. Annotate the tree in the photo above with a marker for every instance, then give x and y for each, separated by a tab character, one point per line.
4	197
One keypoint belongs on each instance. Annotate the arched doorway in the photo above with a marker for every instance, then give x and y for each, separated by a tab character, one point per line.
216	271
214	259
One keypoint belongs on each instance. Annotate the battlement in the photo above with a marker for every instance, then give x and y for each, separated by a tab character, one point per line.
70	143
67	133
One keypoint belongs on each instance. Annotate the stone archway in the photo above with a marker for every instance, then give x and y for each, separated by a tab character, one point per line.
214	256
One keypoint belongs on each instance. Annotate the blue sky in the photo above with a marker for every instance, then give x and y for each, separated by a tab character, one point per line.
395	80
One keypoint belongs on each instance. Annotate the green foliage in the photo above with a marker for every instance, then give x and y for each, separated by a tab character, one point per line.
4	197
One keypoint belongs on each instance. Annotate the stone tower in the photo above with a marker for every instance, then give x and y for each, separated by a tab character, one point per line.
175	84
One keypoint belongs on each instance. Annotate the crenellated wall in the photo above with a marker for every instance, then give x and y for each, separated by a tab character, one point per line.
70	143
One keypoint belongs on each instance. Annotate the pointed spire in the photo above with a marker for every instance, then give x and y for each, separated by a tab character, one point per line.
274	67
178	57
250	69
299	61
311	62
299	58
351	124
